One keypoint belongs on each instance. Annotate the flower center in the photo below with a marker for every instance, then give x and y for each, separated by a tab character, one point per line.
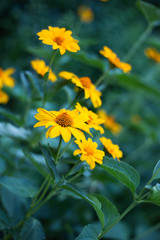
64	120
90	119
59	40
1	71
86	82
89	151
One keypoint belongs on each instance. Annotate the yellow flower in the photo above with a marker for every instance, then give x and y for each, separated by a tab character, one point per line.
109	122
112	57
5	78
86	84
89	152
153	54
3	97
63	122
113	149
40	67
85	13
93	120
59	38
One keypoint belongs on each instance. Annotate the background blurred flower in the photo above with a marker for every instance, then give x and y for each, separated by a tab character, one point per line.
5	78
59	38
3	97
112	57
40	67
85	13
113	149
152	54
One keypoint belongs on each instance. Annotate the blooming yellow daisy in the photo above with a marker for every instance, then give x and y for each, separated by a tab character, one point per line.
40	67
94	121
89	152
85	13
3	97
59	38
153	54
112	57
113	149
5	78
86	84
63	122
109	122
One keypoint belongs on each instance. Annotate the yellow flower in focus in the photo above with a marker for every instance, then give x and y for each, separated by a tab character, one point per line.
153	54
93	120
112	57
3	97
40	67
109	122
89	152
85	13
59	38
113	149
5	78
86	84
63	122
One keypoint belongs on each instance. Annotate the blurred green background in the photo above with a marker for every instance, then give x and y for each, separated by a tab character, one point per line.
117	24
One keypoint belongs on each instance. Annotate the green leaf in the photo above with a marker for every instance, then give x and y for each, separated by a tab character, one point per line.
150	12
12	117
32	230
154	197
78	193
89	60
3	166
4	220
109	210
89	232
122	171
133	82
18	185
156	171
50	164
40	167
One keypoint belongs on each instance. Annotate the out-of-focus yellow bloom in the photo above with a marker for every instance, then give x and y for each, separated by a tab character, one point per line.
86	84
85	13
3	97
113	149
89	152
5	78
104	0
93	119
63	122
40	67
59	38
153	54
112	57
109	122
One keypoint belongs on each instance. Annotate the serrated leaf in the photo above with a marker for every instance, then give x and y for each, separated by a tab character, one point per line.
156	171
109	210
151	12
50	164
32	230
40	167
89	232
18	185
122	171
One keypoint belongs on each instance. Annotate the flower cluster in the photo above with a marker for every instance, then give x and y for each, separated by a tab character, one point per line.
6	80
113	59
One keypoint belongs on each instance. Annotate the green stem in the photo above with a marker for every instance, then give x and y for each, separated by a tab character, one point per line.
138	43
75	99
118	219
65	149
46	78
101	77
58	151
